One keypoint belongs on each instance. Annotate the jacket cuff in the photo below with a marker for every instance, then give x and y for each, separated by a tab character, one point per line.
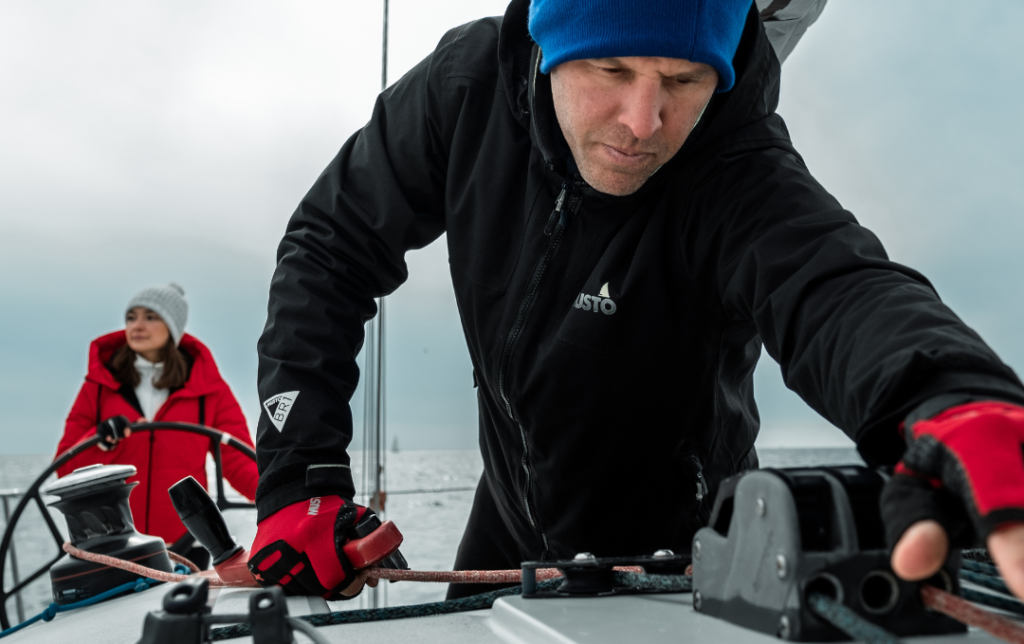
935	406
297	482
882	445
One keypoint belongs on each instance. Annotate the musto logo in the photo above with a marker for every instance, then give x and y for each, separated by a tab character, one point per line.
595	303
314	506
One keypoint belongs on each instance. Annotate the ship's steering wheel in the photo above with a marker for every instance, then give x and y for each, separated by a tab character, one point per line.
217	438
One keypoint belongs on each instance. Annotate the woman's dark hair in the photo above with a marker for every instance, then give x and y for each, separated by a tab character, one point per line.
122	365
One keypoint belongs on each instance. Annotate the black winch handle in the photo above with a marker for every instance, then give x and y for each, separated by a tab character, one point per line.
200	515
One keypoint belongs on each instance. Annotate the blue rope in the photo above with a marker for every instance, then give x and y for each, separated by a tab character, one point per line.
54	608
848	621
986	581
659	583
995	601
977	566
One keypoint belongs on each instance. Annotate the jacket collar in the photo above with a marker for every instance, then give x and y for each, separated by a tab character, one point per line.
203	376
754	96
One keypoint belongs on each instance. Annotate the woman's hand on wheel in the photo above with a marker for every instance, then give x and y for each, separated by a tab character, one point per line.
111	431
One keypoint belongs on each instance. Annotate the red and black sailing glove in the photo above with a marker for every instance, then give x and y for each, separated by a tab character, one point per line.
963	468
317	546
111	431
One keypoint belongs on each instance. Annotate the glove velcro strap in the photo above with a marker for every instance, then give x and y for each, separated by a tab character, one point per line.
280	564
993	520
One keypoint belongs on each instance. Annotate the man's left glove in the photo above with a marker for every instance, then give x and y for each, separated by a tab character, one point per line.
963	468
308	547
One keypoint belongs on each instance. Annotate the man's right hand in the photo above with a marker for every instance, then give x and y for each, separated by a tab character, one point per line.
111	431
301	548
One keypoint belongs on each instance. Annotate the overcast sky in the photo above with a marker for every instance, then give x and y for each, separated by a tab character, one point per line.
147	142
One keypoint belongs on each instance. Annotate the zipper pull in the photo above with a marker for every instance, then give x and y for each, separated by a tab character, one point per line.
702	486
559	202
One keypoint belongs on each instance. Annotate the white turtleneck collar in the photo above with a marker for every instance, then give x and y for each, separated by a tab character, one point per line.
150	398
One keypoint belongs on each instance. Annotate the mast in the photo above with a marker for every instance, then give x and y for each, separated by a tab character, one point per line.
374	426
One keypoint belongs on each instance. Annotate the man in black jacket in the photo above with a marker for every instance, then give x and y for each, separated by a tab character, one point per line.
627	222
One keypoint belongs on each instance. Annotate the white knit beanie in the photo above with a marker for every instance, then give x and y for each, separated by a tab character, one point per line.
168	302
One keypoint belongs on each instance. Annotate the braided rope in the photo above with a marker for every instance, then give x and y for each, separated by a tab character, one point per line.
986	581
980	567
659	583
184	561
145	571
963	611
848	621
458	576
439	576
995	601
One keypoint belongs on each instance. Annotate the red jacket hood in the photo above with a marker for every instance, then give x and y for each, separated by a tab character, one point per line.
204	378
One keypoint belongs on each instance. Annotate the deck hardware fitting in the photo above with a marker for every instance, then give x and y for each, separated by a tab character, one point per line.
784	629
823	537
780	565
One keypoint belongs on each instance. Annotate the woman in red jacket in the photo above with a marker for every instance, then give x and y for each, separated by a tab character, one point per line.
153	371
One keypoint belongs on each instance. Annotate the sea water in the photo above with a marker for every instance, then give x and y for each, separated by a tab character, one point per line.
432	519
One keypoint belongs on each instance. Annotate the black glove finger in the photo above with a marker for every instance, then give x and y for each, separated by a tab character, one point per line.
908	499
113	428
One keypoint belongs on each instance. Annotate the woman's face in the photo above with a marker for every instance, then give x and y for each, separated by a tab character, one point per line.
146	332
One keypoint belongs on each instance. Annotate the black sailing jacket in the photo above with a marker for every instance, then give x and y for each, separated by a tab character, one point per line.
613	338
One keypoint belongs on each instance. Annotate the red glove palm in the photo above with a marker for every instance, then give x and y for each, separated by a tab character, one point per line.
963	468
308	547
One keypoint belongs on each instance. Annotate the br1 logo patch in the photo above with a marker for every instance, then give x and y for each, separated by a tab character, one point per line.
278	407
595	303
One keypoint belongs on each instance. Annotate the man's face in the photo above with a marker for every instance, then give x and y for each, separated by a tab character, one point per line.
625	117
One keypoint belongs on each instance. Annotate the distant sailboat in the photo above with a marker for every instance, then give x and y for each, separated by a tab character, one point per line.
394	445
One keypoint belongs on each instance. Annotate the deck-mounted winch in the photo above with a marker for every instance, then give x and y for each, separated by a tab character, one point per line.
94	501
777	536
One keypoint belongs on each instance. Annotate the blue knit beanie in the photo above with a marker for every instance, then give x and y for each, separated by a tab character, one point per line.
701	31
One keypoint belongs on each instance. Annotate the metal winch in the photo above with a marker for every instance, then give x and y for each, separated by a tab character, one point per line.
94	501
777	536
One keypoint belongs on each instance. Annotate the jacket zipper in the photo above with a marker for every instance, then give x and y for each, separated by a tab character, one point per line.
149	483
560	215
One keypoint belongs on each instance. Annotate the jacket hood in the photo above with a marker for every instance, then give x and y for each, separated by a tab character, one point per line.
203	377
754	96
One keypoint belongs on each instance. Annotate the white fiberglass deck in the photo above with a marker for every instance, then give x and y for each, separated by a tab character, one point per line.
647	619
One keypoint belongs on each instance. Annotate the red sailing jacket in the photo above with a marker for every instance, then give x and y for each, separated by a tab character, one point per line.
164	457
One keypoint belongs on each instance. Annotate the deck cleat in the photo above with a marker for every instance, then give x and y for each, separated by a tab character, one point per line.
777	536
590	576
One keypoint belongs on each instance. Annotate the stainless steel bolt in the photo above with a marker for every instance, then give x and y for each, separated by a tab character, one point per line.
584	556
664	553
697	600
696	549
760	507
780	565
783	631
